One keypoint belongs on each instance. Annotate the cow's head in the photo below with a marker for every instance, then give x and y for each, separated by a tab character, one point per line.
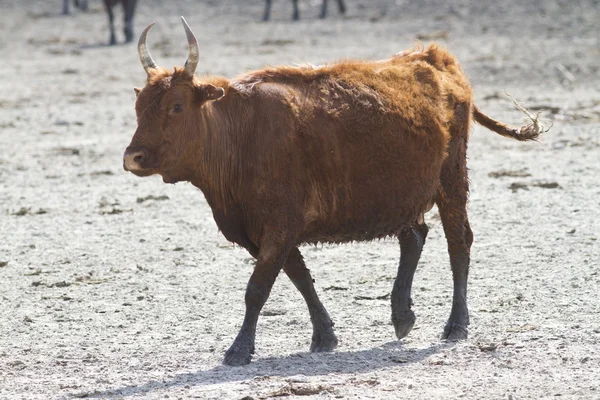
168	115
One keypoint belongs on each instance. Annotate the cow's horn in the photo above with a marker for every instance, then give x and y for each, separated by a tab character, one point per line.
145	57
192	61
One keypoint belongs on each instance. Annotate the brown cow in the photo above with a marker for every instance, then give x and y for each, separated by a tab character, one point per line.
351	151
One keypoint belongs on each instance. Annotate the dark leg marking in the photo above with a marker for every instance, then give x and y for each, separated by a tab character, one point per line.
272	255
323	338
411	244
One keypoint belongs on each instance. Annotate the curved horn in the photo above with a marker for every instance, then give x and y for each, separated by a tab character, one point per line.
192	61
145	57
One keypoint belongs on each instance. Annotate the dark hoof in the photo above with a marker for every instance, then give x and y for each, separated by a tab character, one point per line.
323	342
454	331
237	355
128	36
403	323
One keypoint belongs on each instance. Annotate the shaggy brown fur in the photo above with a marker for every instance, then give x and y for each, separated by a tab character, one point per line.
356	150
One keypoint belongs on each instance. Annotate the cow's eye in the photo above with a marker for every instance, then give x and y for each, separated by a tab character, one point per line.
177	108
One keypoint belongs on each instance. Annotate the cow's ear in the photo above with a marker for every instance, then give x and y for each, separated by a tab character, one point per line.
207	92
137	91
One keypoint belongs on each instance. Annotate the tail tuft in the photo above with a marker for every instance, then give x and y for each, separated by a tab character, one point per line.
533	130
524	133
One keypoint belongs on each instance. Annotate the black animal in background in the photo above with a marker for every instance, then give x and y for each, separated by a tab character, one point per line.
81	4
296	15
128	12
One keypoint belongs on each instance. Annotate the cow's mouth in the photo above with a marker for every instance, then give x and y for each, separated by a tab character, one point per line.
142	172
169	179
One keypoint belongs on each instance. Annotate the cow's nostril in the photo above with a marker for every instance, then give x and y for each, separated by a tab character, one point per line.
133	160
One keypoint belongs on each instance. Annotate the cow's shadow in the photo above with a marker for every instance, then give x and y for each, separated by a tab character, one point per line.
348	362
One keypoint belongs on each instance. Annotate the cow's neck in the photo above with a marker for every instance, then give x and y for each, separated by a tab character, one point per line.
223	125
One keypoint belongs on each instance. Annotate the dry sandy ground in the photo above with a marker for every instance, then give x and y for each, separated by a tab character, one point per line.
112	286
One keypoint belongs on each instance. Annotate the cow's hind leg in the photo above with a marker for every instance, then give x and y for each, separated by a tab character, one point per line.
323	338
411	244
452	200
459	237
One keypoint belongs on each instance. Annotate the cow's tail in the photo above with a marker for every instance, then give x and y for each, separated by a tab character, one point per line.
524	133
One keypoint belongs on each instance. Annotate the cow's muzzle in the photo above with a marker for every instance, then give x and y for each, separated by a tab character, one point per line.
134	160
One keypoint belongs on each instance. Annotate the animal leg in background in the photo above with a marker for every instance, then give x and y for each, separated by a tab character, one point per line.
411	244
323	9
272	255
128	11
66	7
323	338
81	4
296	15
267	14
341	6
108	5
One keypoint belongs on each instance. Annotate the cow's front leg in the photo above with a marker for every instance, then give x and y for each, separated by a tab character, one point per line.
271	257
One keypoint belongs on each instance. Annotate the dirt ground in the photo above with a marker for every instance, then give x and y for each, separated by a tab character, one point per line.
112	286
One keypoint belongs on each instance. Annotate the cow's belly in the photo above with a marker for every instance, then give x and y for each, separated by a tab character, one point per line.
366	213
